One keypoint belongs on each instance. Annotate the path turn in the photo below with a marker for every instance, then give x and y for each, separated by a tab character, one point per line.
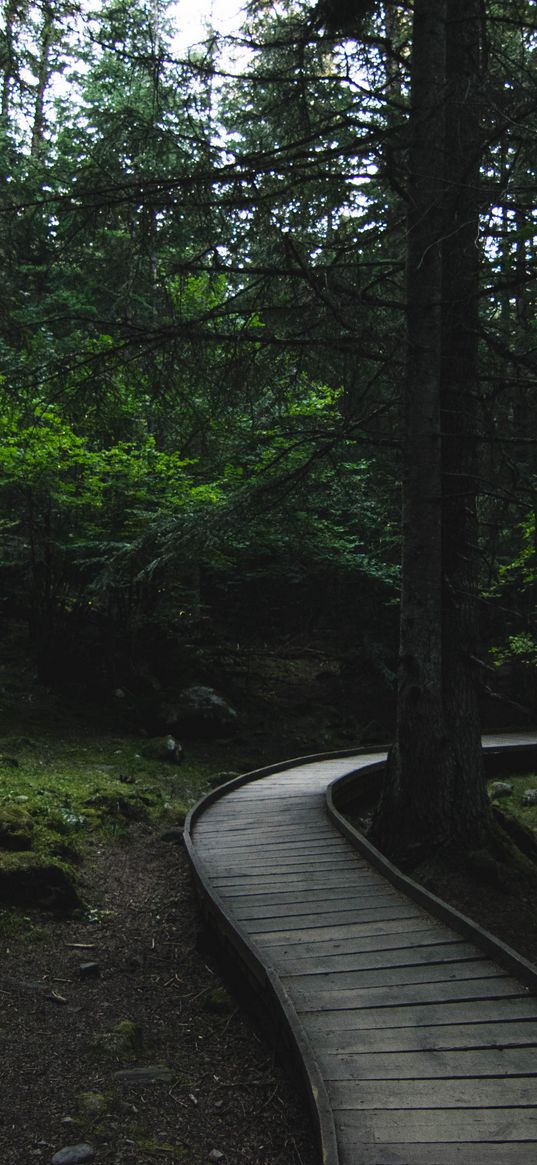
420	1049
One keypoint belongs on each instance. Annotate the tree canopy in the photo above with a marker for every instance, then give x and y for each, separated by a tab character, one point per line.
249	293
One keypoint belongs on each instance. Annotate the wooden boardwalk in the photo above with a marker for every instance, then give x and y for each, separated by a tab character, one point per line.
419	1048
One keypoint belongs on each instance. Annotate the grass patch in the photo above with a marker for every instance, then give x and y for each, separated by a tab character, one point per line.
514	803
56	793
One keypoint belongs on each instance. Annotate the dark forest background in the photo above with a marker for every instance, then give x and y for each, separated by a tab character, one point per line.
202	346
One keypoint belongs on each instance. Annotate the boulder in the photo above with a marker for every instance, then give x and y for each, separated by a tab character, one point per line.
201	712
73	1155
500	789
529	797
163	748
27	880
16	828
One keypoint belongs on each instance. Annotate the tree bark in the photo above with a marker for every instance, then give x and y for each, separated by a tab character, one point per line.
469	805
434	795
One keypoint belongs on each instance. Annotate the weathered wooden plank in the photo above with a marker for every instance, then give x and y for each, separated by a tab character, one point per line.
438	1125
271	841
426	933
240	832
276	822
266	830
303	877
358	1096
330	934
287	865
270	797
402	916
331	906
321	849
411	956
295	877
248	892
272	848
380	997
274	819
254	872
284	898
247	887
452	1037
317	1023
314	920
466	969
317	880
248	852
430	1064
484	1153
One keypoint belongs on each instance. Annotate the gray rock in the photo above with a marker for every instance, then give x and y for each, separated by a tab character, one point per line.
163	748
73	1155
215	1155
200	712
529	797
500	789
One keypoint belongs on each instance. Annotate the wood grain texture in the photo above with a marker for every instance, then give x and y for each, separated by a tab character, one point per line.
500	1153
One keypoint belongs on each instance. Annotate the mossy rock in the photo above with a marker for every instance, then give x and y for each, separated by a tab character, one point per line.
92	1105
165	749
16	828
124	1041
27	880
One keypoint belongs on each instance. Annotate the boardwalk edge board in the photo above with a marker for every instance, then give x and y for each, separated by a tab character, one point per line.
509	958
256	966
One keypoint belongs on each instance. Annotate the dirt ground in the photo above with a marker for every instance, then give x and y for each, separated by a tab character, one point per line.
149	1001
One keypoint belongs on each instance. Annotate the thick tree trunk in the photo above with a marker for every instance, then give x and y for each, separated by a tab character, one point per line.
469	805
434	794
420	748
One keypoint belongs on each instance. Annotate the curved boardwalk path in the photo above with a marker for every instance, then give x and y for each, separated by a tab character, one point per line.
419	1048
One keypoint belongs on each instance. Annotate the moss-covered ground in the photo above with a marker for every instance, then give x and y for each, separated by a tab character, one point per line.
57	793
514	803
